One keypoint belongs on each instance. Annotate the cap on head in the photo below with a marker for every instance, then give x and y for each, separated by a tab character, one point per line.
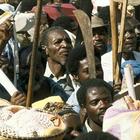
24	21
130	23
97	22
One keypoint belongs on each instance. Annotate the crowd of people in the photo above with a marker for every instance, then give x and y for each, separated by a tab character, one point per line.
62	66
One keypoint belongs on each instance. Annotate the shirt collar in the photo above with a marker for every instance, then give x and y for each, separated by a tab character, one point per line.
48	73
95	127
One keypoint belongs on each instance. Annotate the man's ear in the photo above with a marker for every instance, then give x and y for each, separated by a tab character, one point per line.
46	50
83	114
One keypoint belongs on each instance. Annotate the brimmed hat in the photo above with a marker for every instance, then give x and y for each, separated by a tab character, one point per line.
24	21
130	23
97	22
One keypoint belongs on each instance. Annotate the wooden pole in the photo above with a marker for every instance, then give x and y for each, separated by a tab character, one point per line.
34	54
114	32
121	40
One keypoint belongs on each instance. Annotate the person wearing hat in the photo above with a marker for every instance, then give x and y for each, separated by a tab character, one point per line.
128	53
24	24
99	30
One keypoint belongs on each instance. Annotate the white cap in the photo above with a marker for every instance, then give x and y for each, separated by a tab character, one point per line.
24	21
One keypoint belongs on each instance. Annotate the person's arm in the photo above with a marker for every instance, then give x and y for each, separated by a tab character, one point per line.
5	33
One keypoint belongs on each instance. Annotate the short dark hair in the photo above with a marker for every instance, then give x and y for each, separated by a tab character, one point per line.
45	35
82	92
96	136
75	56
66	22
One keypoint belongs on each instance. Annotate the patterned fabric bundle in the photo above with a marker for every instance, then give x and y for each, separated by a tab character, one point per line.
122	122
20	122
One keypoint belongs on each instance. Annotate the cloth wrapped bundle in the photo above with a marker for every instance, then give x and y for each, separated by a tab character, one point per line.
17	122
122	121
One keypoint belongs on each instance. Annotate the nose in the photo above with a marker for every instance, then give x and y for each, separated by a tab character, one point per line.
64	43
128	35
104	103
97	36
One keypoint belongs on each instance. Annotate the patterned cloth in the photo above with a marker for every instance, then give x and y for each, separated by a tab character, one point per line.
122	122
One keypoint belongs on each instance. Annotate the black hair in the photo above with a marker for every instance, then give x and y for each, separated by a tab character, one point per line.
75	56
27	5
45	34
66	22
82	92
67	109
96	136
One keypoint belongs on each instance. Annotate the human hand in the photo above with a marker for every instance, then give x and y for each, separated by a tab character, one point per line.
117	87
131	103
18	98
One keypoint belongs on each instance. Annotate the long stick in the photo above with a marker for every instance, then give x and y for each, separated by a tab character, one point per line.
114	32
85	25
129	81
15	41
34	54
121	40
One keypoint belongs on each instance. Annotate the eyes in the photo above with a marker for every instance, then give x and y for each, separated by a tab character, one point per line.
59	41
97	101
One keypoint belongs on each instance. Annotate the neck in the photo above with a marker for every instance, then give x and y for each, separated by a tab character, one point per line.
94	126
128	56
56	68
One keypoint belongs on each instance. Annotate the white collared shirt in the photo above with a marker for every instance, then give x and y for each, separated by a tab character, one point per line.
48	73
62	81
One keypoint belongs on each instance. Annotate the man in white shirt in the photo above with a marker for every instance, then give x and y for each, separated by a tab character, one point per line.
129	52
57	45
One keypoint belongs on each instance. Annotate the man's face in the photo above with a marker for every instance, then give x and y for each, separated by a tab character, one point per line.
24	38
83	72
100	39
129	41
97	102
59	46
